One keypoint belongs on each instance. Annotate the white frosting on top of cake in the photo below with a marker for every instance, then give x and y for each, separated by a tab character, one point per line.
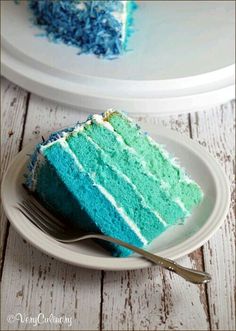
100	120
122	17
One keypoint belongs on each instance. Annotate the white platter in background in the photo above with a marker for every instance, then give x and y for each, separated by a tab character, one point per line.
182	59
176	242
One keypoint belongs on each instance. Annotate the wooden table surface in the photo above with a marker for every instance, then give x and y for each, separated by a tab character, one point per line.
34	284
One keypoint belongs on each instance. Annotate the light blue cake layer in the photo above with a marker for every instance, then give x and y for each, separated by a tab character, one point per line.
131	164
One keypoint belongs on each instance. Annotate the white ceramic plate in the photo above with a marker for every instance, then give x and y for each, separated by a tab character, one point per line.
174	243
182	59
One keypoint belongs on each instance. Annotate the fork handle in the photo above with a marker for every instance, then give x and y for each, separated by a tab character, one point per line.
191	275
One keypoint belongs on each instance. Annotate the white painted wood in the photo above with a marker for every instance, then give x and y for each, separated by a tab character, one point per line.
35	283
152	299
215	130
13	106
45	116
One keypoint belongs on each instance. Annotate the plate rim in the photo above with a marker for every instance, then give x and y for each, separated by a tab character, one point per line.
81	96
219	213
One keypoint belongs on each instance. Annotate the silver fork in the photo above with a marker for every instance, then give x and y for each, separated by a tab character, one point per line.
57	229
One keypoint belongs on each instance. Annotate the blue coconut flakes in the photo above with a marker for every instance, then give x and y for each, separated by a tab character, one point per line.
91	27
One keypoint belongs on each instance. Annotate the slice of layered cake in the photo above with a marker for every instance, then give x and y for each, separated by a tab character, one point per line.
98	27
107	176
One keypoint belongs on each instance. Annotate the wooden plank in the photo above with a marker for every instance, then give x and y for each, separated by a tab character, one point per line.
35	283
13	105
46	116
215	131
153	299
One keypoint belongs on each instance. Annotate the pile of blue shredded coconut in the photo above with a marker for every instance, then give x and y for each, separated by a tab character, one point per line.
92	30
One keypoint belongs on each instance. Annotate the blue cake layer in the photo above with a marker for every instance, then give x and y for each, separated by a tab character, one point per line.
91	26
75	197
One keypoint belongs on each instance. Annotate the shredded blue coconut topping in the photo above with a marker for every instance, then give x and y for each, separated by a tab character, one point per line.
91	26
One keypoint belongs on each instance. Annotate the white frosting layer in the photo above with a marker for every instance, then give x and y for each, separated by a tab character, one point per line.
172	160
182	206
40	160
122	17
121	211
